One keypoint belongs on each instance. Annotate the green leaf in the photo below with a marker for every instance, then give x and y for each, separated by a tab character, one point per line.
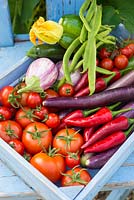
119	11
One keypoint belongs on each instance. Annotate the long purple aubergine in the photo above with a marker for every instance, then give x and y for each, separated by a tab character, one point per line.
99	160
130	113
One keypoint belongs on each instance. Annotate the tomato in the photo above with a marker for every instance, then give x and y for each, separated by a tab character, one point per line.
67	140
53	120
104	53
24	116
34	99
50	93
49	165
24	95
72	160
121	61
107	63
128	52
4	95
10	129
75	176
36	137
41	112
17	145
5	113
27	156
66	90
131	46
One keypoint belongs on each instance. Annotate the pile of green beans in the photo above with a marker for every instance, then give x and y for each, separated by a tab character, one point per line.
83	49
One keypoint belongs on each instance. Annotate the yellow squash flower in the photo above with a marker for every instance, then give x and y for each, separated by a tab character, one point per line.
45	31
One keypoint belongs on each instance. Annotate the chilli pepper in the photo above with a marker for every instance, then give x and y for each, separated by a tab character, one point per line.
100	85
82	83
117	124
102	116
109	142
87	133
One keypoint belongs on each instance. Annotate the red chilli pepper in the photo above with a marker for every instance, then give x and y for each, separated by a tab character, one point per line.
82	83
102	116
87	133
117	124
111	141
101	84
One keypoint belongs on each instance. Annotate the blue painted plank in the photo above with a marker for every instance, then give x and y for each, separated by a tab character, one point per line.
55	9
6	35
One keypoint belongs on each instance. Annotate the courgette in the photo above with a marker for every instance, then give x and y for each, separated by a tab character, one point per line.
54	52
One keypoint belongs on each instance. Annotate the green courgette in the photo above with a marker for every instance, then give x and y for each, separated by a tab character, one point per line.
54	52
71	23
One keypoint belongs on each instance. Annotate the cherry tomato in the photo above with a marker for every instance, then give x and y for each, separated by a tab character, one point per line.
49	165
50	93
4	95
75	176
27	156
131	46
66	90
10	129
34	99
72	159
53	120
24	116
24	95
36	137
5	113
67	140
128	52
41	112
121	61
107	63
104	53
17	145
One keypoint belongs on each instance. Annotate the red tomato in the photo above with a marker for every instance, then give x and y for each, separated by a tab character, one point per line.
72	160
121	61
27	156
50	93
24	95
17	145
128	52
49	165
75	176
131	46
5	113
67	140
41	112
53	120
107	63
4	95
104	53
24	116
66	90
10	129
36	136
34	99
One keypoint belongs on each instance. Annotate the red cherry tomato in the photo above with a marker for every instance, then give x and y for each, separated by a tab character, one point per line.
75	176
4	95
17	145
131	46
107	63
121	61
104	53
41	112
127	51
66	90
72	159
53	120
34	99
5	113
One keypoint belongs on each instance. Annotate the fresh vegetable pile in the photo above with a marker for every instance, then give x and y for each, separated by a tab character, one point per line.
70	115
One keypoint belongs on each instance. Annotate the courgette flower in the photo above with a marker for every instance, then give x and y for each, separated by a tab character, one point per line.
45	31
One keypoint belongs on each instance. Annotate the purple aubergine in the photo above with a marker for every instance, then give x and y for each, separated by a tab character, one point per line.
130	113
99	160
122	94
126	80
